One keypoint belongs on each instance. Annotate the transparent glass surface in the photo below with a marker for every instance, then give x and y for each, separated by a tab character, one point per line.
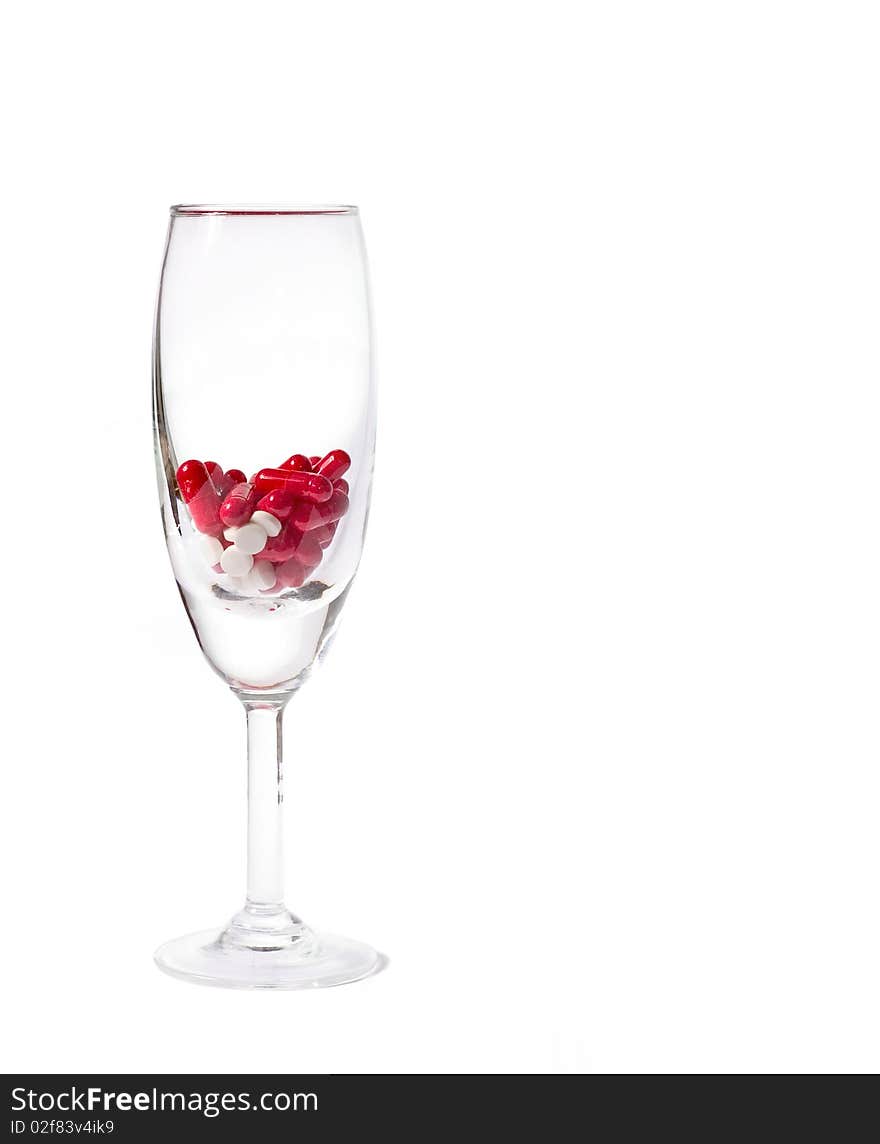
264	417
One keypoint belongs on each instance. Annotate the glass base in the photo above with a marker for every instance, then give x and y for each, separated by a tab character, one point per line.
267	950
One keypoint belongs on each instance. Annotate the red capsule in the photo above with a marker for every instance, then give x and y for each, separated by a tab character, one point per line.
334	464
341	486
314	461
238	506
298	463
202	499
204	509
290	574
309	486
283	546
278	502
190	477
291	542
307	516
293	572
236	476
222	482
325	533
309	552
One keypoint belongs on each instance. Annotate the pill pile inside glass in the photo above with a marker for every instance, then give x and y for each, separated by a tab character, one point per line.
267	533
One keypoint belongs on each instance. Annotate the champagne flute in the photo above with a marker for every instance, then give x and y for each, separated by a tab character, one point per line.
264	417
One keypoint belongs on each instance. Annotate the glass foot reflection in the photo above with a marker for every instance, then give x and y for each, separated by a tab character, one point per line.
277	952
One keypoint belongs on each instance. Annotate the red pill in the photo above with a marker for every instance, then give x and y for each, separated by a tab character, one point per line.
298	463
307	556
204	509
309	552
283	546
290	574
201	497
307	516
341	486
325	533
334	464
278	502
222	482
190	477
267	480
315	461
309	486
236	476
238	506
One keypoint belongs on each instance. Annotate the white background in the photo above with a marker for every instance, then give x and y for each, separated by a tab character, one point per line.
595	758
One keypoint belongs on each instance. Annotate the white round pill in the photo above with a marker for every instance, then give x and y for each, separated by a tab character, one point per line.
230	534
263	574
234	562
210	548
251	538
266	520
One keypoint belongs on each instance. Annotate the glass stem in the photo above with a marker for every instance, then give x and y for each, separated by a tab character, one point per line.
265	878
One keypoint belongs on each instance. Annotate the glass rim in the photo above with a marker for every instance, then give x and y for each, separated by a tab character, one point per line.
200	210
